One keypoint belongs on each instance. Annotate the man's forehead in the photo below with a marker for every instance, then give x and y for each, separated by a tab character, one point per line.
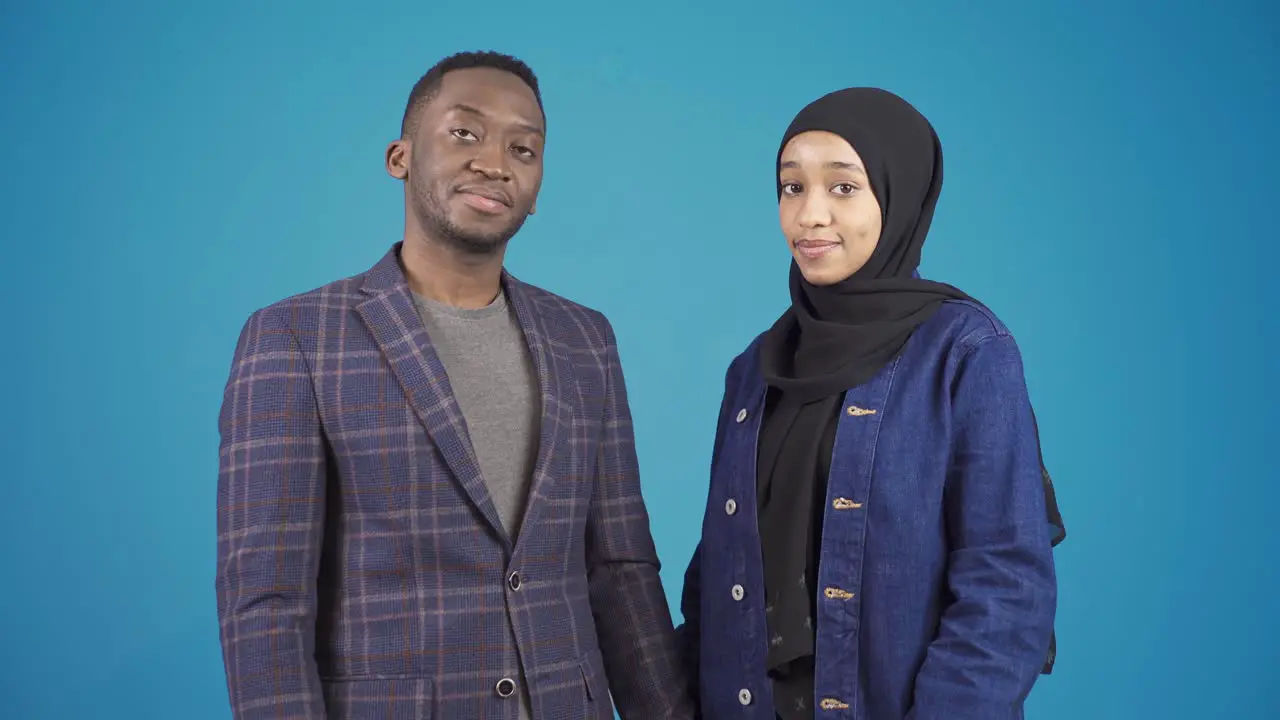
488	89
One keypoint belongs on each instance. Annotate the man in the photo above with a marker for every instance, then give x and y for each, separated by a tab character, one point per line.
428	502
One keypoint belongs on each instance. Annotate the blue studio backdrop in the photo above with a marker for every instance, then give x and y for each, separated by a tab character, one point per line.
1111	174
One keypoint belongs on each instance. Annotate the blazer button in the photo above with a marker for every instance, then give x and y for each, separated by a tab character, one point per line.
730	506
742	414
737	592
506	687
513	581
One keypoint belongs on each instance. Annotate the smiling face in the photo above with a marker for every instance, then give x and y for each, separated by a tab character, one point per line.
829	215
473	160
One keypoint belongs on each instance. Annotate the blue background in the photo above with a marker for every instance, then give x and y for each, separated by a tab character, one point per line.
1111	173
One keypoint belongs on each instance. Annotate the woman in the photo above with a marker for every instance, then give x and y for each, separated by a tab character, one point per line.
878	536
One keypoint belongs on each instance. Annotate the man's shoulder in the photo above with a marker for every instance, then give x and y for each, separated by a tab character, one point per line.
337	296
334	295
553	303
567	320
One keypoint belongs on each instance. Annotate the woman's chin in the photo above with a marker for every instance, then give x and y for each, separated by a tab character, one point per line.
821	271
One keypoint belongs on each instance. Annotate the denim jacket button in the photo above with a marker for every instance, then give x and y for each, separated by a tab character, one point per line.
737	592
744	696
730	506
742	414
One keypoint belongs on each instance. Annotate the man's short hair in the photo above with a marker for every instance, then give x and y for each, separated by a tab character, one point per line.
429	84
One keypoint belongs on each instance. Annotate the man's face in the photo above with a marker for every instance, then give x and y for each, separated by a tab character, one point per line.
474	161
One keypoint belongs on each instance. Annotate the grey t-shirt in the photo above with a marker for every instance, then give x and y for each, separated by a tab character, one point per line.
494	381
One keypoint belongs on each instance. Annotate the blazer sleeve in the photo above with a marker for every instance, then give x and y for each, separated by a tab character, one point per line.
689	633
993	637
270	523
633	620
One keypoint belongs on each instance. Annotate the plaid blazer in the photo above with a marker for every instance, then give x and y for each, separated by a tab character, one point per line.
362	568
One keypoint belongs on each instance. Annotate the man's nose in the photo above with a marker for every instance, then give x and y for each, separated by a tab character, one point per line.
491	162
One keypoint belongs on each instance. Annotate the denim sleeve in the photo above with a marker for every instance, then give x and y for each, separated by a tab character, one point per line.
994	635
690	631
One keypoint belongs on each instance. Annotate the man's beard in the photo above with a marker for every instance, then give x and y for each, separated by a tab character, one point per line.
433	215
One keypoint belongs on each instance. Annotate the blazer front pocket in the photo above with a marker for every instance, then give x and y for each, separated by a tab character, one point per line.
599	701
359	698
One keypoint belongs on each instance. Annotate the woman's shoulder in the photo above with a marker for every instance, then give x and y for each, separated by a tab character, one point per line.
746	363
966	322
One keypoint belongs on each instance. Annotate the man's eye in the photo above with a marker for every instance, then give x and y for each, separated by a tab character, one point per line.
463	134
523	151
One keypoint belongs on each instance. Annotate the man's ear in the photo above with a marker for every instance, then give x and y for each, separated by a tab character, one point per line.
534	207
397	159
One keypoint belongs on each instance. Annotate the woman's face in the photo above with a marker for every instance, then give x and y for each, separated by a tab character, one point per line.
829	215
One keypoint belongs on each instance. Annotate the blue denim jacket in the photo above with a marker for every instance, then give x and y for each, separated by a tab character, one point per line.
937	589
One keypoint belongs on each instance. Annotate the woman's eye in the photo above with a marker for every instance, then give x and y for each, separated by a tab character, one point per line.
791	188
845	189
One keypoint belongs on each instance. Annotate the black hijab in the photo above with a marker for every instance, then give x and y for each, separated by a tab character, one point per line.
837	337
833	338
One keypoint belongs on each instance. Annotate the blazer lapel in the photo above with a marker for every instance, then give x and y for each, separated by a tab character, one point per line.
389	312
558	389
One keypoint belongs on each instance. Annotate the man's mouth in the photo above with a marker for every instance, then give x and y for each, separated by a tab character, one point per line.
484	199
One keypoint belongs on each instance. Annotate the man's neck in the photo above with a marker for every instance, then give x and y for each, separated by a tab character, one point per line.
451	277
